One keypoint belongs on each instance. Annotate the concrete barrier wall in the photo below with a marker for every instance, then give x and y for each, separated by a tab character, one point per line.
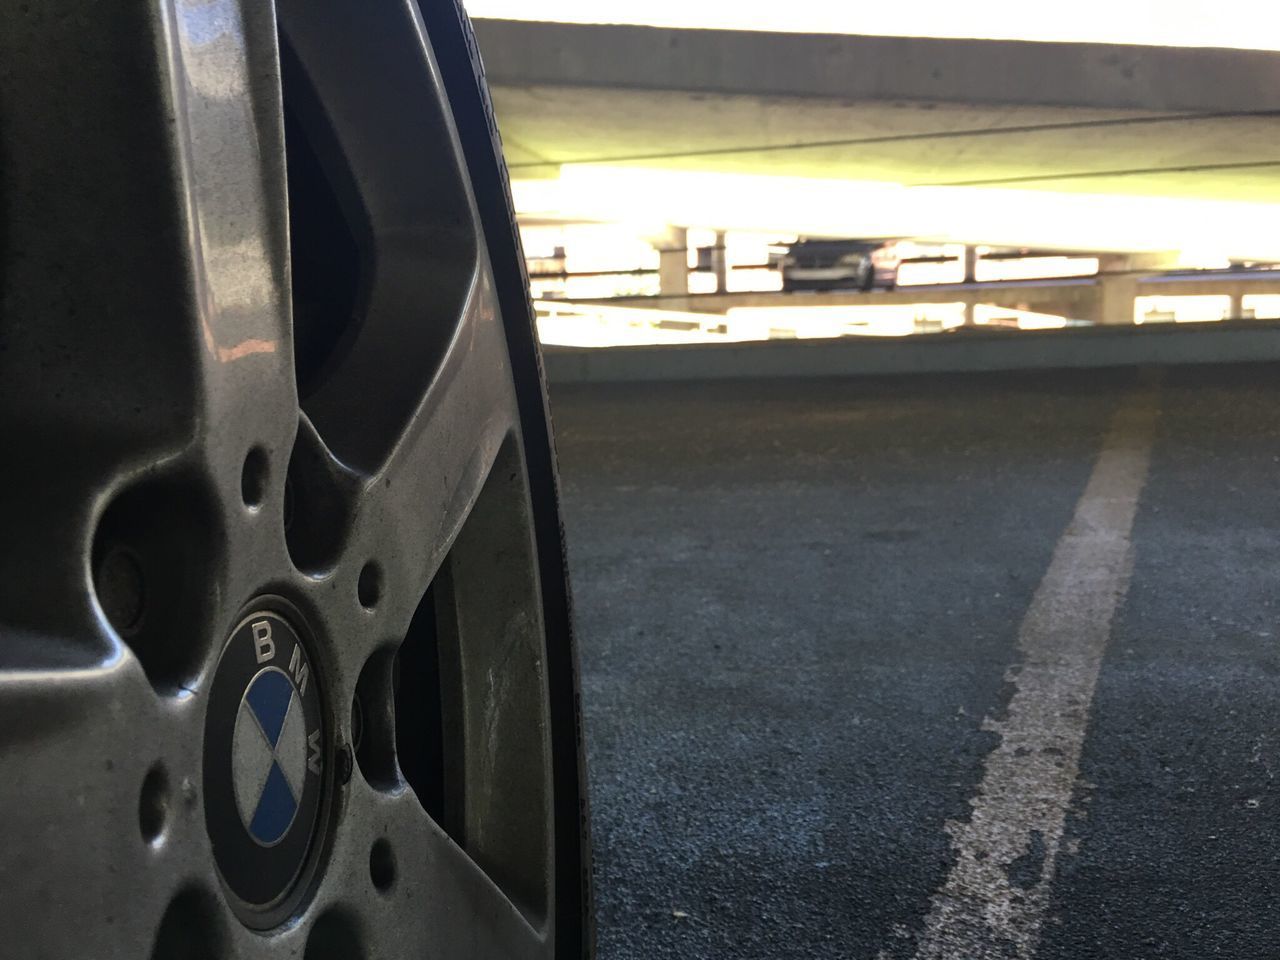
937	353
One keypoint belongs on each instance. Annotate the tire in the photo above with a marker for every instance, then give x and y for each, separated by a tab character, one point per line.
460	62
286	653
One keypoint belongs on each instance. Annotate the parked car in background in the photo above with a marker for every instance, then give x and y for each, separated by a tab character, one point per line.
811	264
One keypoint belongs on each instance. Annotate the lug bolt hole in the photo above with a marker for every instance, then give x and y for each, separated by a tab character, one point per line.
382	865
369	586
121	589
153	806
253	478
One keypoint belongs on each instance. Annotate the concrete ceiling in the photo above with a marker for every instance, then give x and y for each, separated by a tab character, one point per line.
1143	121
912	142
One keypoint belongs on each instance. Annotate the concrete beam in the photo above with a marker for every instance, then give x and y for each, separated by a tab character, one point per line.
1103	300
1103	76
1075	297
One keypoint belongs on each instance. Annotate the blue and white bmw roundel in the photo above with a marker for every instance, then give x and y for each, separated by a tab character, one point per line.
269	756
264	762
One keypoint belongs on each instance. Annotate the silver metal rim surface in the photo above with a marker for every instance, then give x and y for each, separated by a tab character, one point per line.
265	349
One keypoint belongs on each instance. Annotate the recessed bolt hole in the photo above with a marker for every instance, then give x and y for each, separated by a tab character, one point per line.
156	549
382	865
121	589
369	587
153	806
191	928
335	936
253	478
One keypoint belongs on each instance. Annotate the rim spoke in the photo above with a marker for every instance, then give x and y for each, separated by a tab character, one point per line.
461	717
474	903
428	456
451	509
405	865
411	511
101	783
382	142
148	403
417	397
230	148
163	367
384	536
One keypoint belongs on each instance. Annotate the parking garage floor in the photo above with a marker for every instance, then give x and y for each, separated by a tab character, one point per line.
973	667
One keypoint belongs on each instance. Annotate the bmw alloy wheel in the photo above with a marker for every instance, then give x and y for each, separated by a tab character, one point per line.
285	657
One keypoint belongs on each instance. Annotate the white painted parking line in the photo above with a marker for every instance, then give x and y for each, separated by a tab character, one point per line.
992	904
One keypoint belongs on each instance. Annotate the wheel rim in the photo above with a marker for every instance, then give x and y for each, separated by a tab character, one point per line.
380	518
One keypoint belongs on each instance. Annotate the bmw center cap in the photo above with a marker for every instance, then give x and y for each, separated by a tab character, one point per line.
263	764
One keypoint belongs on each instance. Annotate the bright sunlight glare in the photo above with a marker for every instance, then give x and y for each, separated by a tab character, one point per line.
814	207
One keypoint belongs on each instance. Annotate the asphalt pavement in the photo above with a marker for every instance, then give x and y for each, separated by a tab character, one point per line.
816	697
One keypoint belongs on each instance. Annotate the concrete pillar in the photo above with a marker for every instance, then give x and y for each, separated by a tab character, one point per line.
970	276
720	264
1236	312
1116	295
673	266
1118	282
